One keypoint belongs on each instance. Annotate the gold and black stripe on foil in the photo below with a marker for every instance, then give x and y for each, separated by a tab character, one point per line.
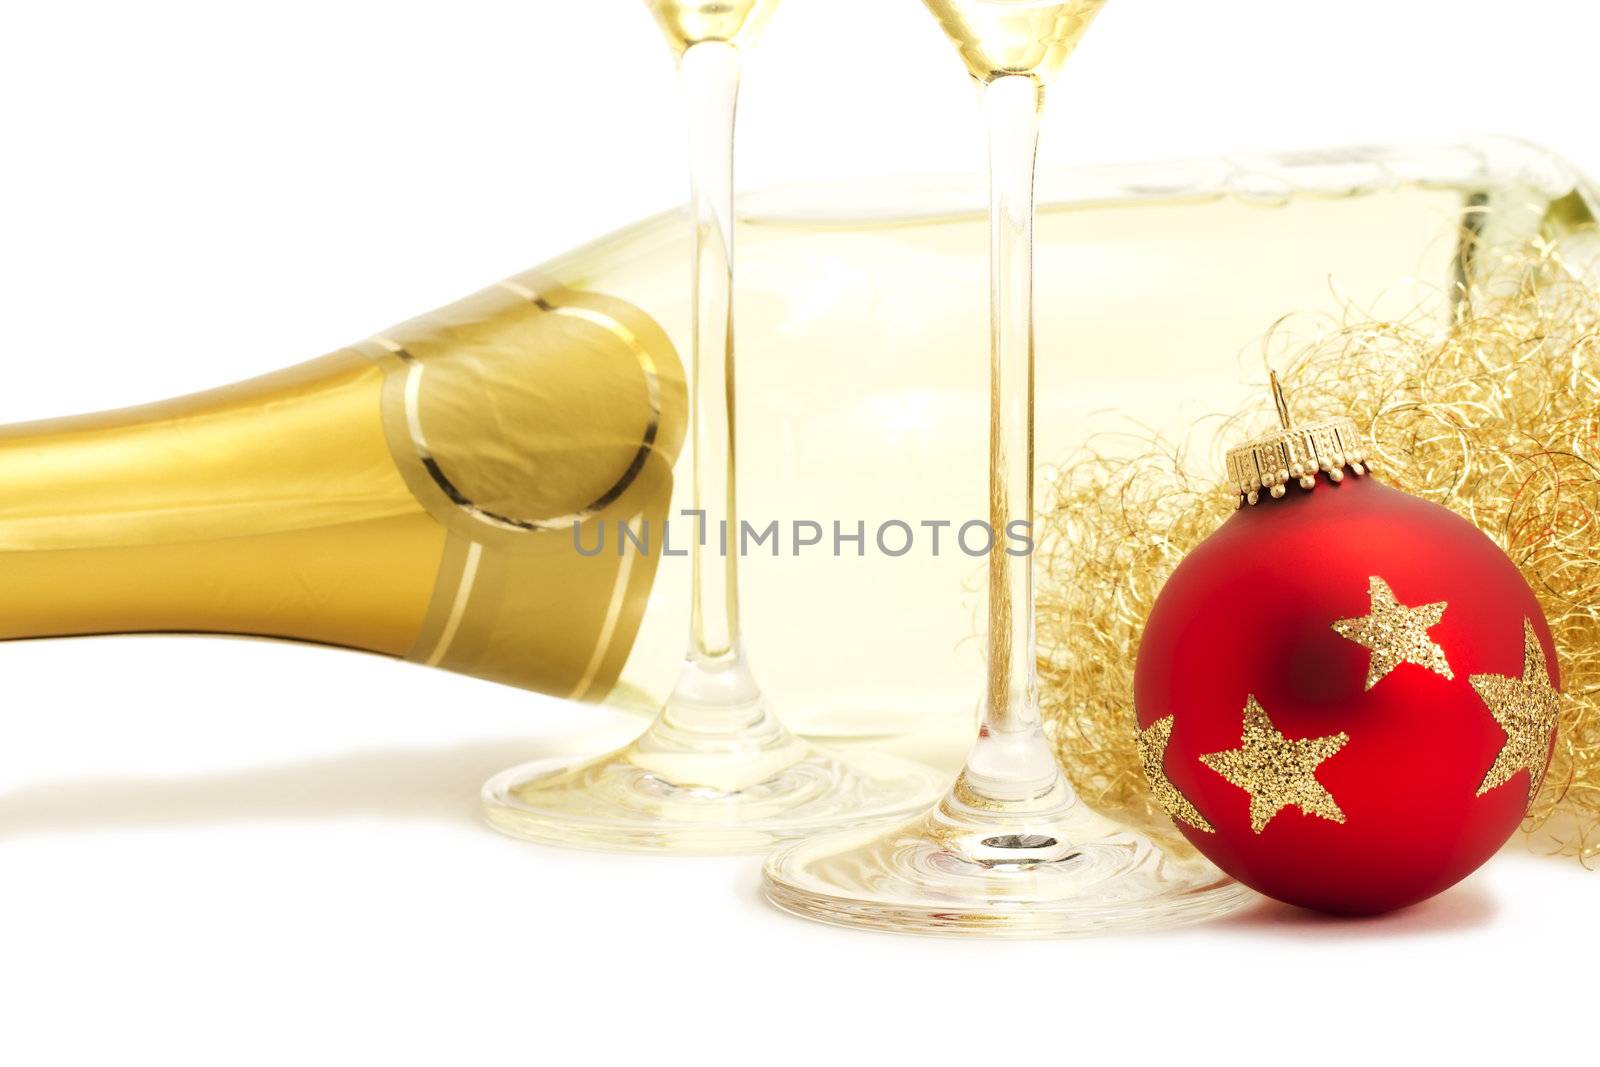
514	415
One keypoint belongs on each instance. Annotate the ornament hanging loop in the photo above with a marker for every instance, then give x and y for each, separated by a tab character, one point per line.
1280	400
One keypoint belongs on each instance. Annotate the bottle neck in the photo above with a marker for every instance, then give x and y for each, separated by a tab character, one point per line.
269	507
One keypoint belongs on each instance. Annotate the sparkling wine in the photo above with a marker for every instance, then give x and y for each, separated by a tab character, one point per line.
690	22
1001	37
410	495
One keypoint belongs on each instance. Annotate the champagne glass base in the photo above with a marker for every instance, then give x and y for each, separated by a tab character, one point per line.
1075	874
633	802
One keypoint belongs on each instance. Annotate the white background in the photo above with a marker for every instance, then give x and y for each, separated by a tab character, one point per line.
231	852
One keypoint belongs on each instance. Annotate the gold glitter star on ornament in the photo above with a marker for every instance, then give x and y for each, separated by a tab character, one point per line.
1153	754
1278	771
1395	633
1526	709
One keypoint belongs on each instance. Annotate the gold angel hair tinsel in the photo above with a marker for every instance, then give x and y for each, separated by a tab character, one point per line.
1496	416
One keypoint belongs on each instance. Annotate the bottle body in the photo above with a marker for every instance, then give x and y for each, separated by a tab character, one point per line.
864	377
414	494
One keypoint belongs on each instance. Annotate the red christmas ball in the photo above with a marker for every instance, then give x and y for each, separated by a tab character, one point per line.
1346	695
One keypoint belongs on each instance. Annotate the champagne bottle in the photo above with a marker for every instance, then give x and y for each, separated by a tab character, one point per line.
415	494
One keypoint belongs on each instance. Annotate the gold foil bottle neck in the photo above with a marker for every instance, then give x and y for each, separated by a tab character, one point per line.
414	495
527	420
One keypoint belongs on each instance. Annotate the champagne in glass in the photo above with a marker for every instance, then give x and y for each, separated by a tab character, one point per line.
691	22
716	771
1029	38
1010	850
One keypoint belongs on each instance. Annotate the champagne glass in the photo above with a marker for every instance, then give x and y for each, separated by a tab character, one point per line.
716	771
1010	850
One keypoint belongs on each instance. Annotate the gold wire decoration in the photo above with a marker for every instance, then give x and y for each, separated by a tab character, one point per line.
1496	416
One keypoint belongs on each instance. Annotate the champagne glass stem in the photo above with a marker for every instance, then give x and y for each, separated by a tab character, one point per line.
1012	751
716	705
1009	851
715	771
709	72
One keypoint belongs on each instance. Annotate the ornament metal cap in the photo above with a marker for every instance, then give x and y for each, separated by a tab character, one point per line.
1295	453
